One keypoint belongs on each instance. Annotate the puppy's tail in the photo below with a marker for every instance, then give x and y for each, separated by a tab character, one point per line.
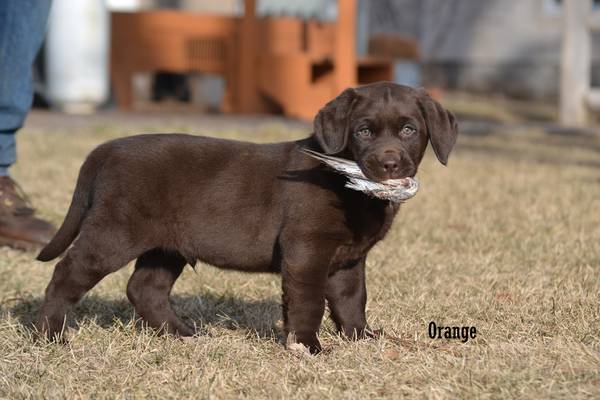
80	204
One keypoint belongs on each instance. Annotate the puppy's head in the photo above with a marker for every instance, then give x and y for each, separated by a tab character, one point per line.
385	128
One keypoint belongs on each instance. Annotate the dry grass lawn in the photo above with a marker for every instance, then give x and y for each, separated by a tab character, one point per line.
506	239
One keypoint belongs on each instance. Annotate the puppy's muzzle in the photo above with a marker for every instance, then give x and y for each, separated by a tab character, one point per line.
390	164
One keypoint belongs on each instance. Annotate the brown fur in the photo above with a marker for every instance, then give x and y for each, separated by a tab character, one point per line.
169	199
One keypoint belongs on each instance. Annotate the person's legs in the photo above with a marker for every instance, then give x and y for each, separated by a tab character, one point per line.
22	28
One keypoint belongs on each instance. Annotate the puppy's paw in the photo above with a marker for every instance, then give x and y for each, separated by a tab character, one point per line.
45	332
360	333
184	331
303	346
373	333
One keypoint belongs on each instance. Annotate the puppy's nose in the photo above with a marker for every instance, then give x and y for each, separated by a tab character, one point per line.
390	165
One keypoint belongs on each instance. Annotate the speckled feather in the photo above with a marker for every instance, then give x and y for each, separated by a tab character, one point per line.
395	190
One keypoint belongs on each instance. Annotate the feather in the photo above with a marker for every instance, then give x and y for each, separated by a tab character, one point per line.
395	190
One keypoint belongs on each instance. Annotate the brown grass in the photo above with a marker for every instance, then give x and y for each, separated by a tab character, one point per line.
506	239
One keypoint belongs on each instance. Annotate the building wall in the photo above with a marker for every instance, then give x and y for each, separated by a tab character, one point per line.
511	46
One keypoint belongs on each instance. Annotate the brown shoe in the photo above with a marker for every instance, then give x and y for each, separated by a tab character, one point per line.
19	228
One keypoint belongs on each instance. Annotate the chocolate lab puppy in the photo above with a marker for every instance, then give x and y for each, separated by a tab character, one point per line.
169	200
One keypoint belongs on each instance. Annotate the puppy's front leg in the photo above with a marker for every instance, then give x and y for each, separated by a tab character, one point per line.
304	280
347	297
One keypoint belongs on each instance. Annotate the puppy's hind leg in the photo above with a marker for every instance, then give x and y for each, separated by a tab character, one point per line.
149	287
92	257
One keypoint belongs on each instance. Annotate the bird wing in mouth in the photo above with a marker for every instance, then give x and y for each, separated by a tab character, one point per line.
395	190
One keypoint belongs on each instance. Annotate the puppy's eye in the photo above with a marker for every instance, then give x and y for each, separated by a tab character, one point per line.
364	133
408	130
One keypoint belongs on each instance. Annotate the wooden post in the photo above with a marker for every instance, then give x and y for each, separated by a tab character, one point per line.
246	89
344	52
575	80
248	98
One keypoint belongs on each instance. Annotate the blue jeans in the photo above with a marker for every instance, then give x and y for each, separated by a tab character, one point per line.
22	28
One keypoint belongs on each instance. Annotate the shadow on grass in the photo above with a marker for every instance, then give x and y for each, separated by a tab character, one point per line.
202	311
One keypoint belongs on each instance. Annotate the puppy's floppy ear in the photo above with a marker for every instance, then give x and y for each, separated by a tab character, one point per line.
441	126
332	122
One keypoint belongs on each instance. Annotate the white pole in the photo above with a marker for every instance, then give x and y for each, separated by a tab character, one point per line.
575	77
77	55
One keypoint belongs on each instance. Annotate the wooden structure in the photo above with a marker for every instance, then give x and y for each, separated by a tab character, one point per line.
171	41
576	94
269	64
300	65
